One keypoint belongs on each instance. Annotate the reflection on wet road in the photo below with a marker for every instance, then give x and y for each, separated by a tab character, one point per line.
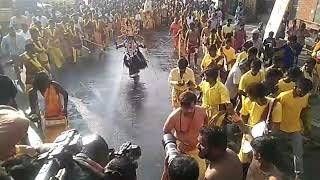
104	100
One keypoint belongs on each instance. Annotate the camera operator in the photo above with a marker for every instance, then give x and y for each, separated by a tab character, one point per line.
186	121
224	164
13	124
182	167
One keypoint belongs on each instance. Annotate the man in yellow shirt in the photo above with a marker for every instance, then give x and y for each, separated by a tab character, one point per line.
228	28
211	59
255	109
229	54
289	81
31	62
179	78
252	76
244	54
215	97
294	106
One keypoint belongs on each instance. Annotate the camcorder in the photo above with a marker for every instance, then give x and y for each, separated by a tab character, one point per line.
59	155
170	146
132	151
63	156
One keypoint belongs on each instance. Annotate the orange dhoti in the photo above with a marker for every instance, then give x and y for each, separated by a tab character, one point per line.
54	121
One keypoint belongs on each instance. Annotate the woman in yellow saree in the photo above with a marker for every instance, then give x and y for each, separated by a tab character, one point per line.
54	51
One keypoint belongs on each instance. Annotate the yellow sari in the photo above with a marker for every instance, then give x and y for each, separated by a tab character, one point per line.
42	55
54	52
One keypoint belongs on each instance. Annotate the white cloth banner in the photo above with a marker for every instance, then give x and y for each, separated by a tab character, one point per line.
278	11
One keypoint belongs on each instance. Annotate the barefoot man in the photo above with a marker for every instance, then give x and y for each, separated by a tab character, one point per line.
179	79
185	123
205	34
223	162
192	44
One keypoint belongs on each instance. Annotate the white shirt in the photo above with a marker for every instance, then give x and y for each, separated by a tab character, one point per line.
25	35
212	8
174	78
189	20
219	17
138	17
233	79
227	29
44	20
80	20
110	17
214	23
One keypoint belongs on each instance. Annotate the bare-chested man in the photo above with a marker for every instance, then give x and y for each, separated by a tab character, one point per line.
224	163
192	43
205	34
185	122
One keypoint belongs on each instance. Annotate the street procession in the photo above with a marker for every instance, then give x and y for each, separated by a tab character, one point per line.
166	89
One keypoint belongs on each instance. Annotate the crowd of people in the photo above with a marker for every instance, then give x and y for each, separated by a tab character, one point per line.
258	86
246	82
62	33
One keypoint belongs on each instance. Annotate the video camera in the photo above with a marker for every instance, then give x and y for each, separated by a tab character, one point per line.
170	146
132	151
60	159
65	145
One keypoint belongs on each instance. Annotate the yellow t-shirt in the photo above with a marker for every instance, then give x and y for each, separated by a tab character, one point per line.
283	86
227	29
207	59
291	110
230	54
254	110
248	79
242	56
213	96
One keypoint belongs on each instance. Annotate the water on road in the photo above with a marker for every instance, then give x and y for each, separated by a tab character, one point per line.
105	101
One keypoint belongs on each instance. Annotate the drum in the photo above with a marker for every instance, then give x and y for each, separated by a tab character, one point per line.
257	130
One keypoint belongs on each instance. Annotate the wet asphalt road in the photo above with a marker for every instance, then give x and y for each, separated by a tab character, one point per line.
105	101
